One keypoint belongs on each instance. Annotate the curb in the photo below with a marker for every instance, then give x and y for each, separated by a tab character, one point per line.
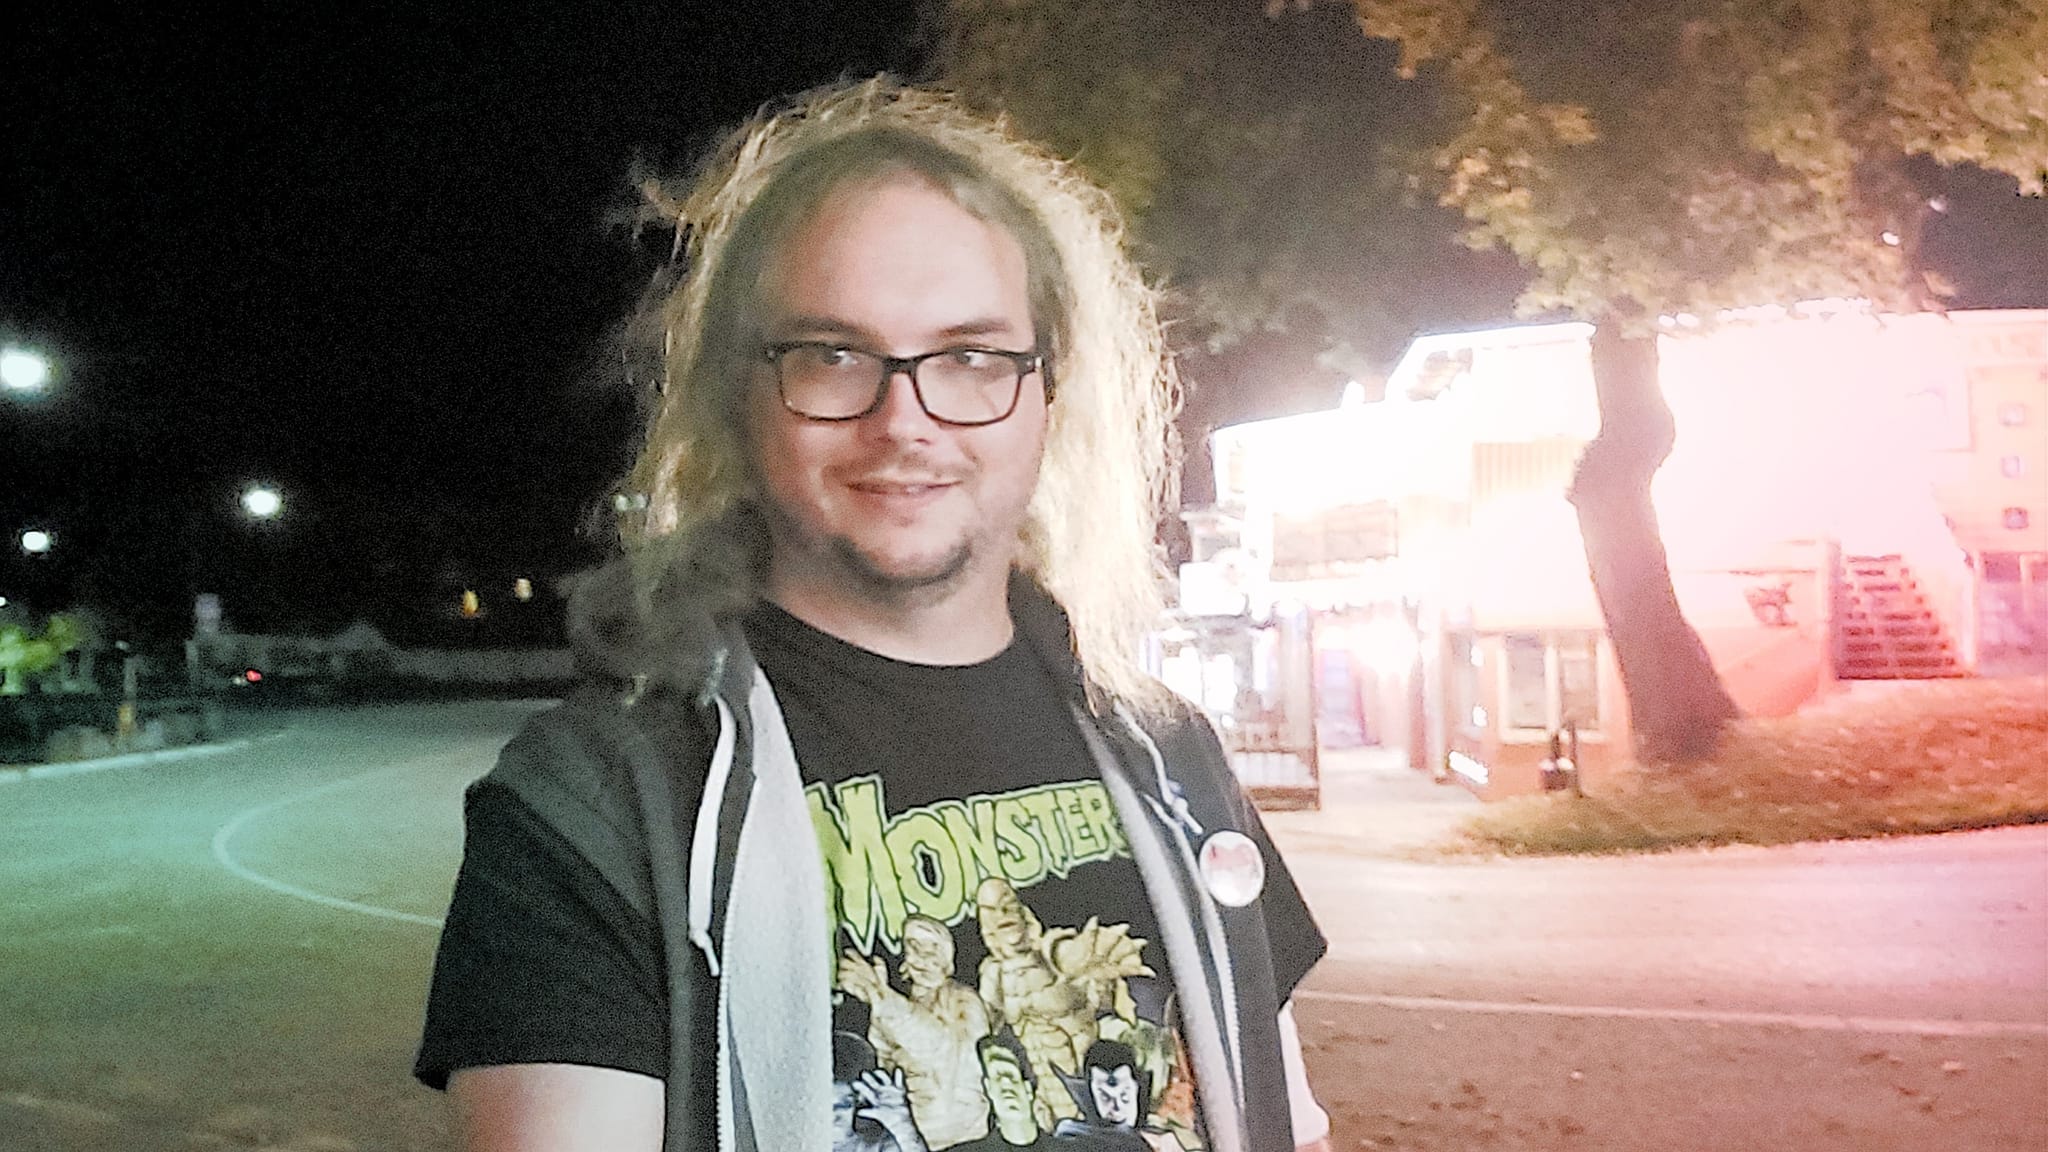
131	759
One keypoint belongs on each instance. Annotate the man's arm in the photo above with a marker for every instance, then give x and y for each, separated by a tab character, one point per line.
1311	1123
556	1108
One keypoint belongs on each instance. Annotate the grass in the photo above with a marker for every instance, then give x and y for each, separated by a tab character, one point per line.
1880	759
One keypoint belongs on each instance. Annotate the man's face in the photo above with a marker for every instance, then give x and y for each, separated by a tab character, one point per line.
895	502
1116	1094
1009	1094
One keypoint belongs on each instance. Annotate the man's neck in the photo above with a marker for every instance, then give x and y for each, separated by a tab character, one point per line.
966	623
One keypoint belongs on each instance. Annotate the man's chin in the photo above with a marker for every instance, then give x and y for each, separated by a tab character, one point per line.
902	574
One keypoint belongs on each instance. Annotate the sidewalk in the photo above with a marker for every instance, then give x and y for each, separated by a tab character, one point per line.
1374	804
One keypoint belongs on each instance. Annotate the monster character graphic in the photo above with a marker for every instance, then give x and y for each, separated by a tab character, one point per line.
1012	1093
1050	987
1159	1054
1112	1090
927	1032
870	1107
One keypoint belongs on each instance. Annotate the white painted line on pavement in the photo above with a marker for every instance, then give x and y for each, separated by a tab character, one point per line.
16	773
228	861
1810	1022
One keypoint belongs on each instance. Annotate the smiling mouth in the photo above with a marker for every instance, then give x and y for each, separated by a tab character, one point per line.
900	487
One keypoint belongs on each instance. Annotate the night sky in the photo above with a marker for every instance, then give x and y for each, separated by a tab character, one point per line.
362	253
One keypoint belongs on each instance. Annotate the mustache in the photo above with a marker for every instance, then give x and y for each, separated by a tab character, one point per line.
907	470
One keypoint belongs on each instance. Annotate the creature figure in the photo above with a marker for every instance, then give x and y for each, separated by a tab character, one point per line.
870	1108
1051	986
929	1033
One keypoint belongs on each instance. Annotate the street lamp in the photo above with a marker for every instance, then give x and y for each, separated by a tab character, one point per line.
36	542
22	370
262	502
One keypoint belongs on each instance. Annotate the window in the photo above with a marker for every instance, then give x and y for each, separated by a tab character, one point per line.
1578	681
2002	568
2013	415
1549	680
2017	519
2012	467
1526	703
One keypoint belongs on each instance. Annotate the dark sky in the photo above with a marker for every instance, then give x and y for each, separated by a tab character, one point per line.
357	250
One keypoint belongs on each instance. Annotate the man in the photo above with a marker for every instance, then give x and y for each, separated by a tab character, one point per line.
872	663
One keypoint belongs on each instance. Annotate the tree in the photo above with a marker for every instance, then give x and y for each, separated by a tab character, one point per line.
1649	157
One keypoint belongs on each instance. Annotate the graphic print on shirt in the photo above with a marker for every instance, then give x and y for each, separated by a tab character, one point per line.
984	1027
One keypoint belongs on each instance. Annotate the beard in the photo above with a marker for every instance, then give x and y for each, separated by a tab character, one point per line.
894	585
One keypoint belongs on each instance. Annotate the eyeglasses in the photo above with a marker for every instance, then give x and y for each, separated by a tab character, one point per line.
964	387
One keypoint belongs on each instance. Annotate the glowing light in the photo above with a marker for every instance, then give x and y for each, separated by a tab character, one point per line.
1469	768
22	370
1387	645
262	502
522	589
253	676
472	605
36	542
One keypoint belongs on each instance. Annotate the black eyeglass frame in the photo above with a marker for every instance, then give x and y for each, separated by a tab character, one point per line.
1026	363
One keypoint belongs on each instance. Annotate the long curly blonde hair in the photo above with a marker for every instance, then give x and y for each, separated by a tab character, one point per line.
1111	458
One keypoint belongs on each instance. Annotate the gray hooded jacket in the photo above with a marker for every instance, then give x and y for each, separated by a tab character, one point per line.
700	846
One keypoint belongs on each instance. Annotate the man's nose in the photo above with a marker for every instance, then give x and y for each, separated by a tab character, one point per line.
902	414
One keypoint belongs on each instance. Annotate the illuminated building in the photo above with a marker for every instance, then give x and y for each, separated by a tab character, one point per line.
1851	496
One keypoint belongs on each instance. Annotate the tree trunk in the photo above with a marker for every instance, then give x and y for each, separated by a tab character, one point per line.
1676	703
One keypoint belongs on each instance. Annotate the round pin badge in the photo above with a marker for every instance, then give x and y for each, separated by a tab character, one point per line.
1232	868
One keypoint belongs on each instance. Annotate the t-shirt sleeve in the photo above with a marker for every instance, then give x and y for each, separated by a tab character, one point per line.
541	960
1293	939
1297	944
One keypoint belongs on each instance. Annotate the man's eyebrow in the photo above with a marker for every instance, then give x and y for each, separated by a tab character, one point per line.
981	326
816	326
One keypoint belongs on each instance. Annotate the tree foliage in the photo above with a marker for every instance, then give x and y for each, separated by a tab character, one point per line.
24	654
1253	158
1644	156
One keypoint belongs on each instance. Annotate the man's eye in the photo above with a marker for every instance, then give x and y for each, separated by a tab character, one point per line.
826	356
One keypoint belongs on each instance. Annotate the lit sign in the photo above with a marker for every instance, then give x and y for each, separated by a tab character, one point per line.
1307	546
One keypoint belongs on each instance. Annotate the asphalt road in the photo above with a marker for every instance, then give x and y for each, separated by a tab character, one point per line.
231	952
1869	995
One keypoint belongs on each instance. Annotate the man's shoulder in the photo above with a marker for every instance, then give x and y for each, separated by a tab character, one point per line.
1188	742
578	758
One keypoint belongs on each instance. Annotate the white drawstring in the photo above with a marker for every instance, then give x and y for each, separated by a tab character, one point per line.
1169	789
704	837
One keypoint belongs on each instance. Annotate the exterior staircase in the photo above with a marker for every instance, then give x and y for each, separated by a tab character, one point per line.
1885	626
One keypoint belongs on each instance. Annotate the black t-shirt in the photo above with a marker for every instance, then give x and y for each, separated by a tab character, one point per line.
998	961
